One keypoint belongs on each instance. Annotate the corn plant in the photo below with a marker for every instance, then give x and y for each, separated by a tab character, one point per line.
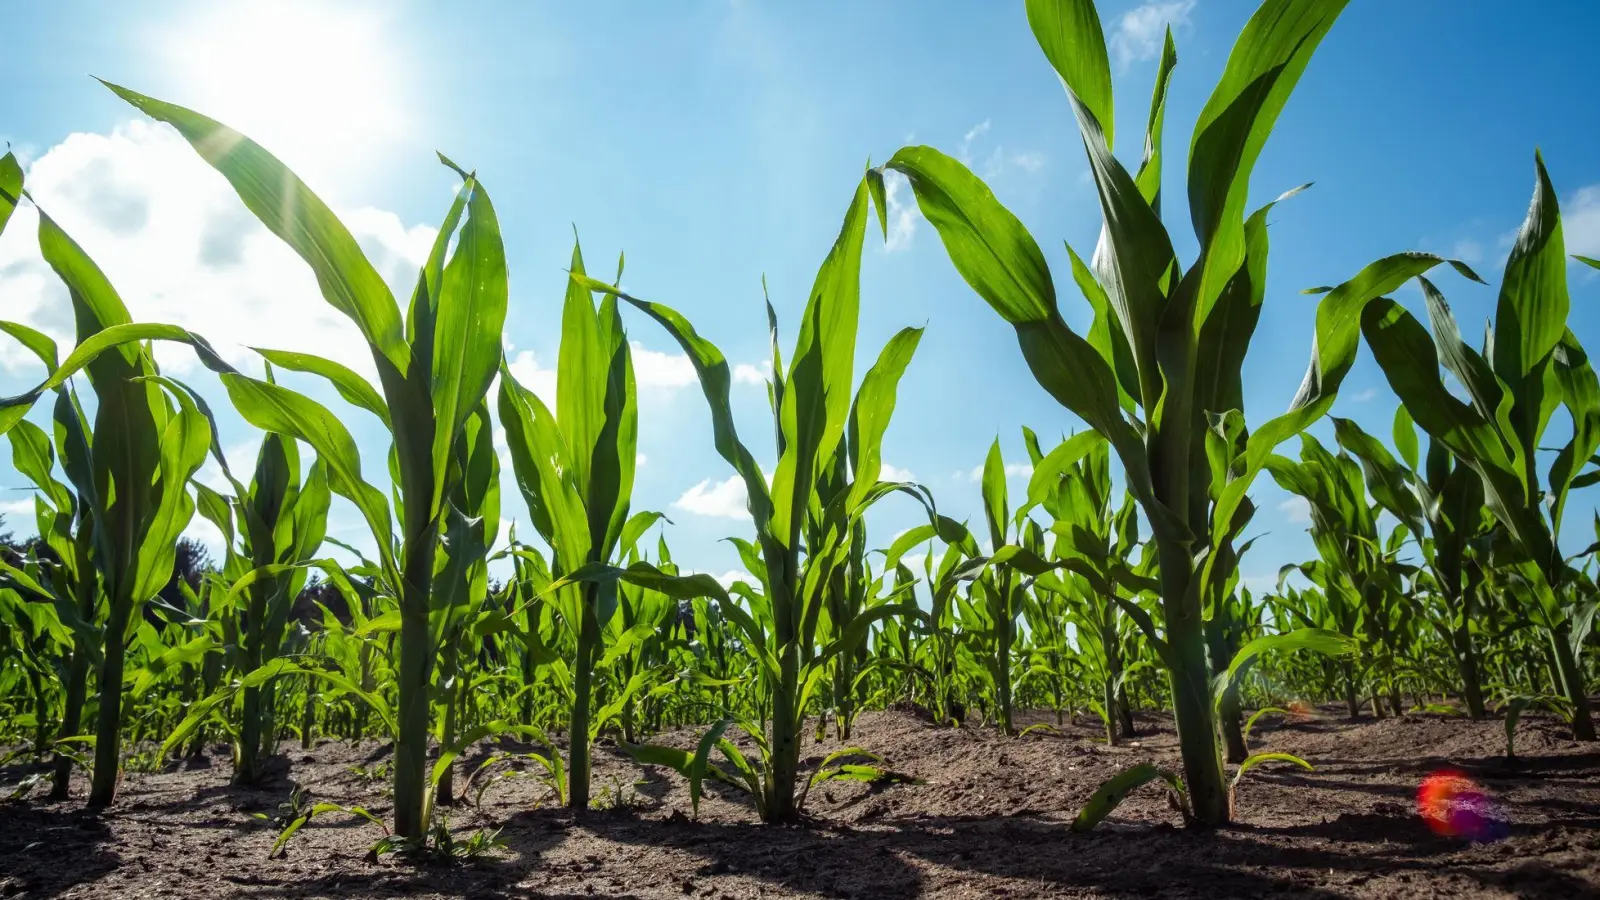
826	478
1359	568
1530	364
1442	502
575	468
62	572
435	366
145	446
279	520
1166	344
1094	542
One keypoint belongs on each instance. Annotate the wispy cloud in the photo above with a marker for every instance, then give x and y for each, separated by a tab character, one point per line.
998	160
1028	162
973	134
1580	221
1296	510
1364	396
1468	251
1140	31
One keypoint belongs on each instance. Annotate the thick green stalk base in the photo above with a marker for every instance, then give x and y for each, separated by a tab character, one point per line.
71	720
411	743
1572	685
108	731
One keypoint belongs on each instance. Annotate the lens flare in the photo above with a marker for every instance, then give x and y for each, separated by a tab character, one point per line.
1455	806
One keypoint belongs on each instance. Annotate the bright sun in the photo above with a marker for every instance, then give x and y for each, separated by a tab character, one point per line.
314	82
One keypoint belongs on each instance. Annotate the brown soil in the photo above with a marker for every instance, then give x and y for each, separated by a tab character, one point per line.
989	819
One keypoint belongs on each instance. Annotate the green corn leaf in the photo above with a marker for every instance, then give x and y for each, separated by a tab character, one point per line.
873	407
1149	176
1048	472
1386	481
1262	70
1260	758
187	653
1000	260
1115	789
715	381
1580	393
1405	438
1319	640
545	472
470	317
701	762
37	342
1250	723
352	387
1338	329
1406	354
185	441
636	526
994	495
816	395
10	187
1531	313
1070	34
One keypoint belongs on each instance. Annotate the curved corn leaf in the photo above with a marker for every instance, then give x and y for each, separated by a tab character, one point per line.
290	210
1115	789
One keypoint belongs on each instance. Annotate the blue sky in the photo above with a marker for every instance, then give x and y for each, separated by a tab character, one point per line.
718	141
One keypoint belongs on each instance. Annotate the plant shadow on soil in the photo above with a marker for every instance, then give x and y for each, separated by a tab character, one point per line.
990	816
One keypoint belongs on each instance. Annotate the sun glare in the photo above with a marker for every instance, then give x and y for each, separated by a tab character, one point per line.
314	82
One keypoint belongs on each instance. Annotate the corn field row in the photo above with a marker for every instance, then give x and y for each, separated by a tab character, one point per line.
1111	586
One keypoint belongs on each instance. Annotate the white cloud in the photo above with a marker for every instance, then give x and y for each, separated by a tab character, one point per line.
726	579
1297	510
890	472
640	460
1364	396
526	370
1013	470
1580	222
654	370
915	562
241	459
974	133
745	373
1141	30
994	165
14	510
207	533
179	246
1260	584
901	213
723	499
1468	251
1029	162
